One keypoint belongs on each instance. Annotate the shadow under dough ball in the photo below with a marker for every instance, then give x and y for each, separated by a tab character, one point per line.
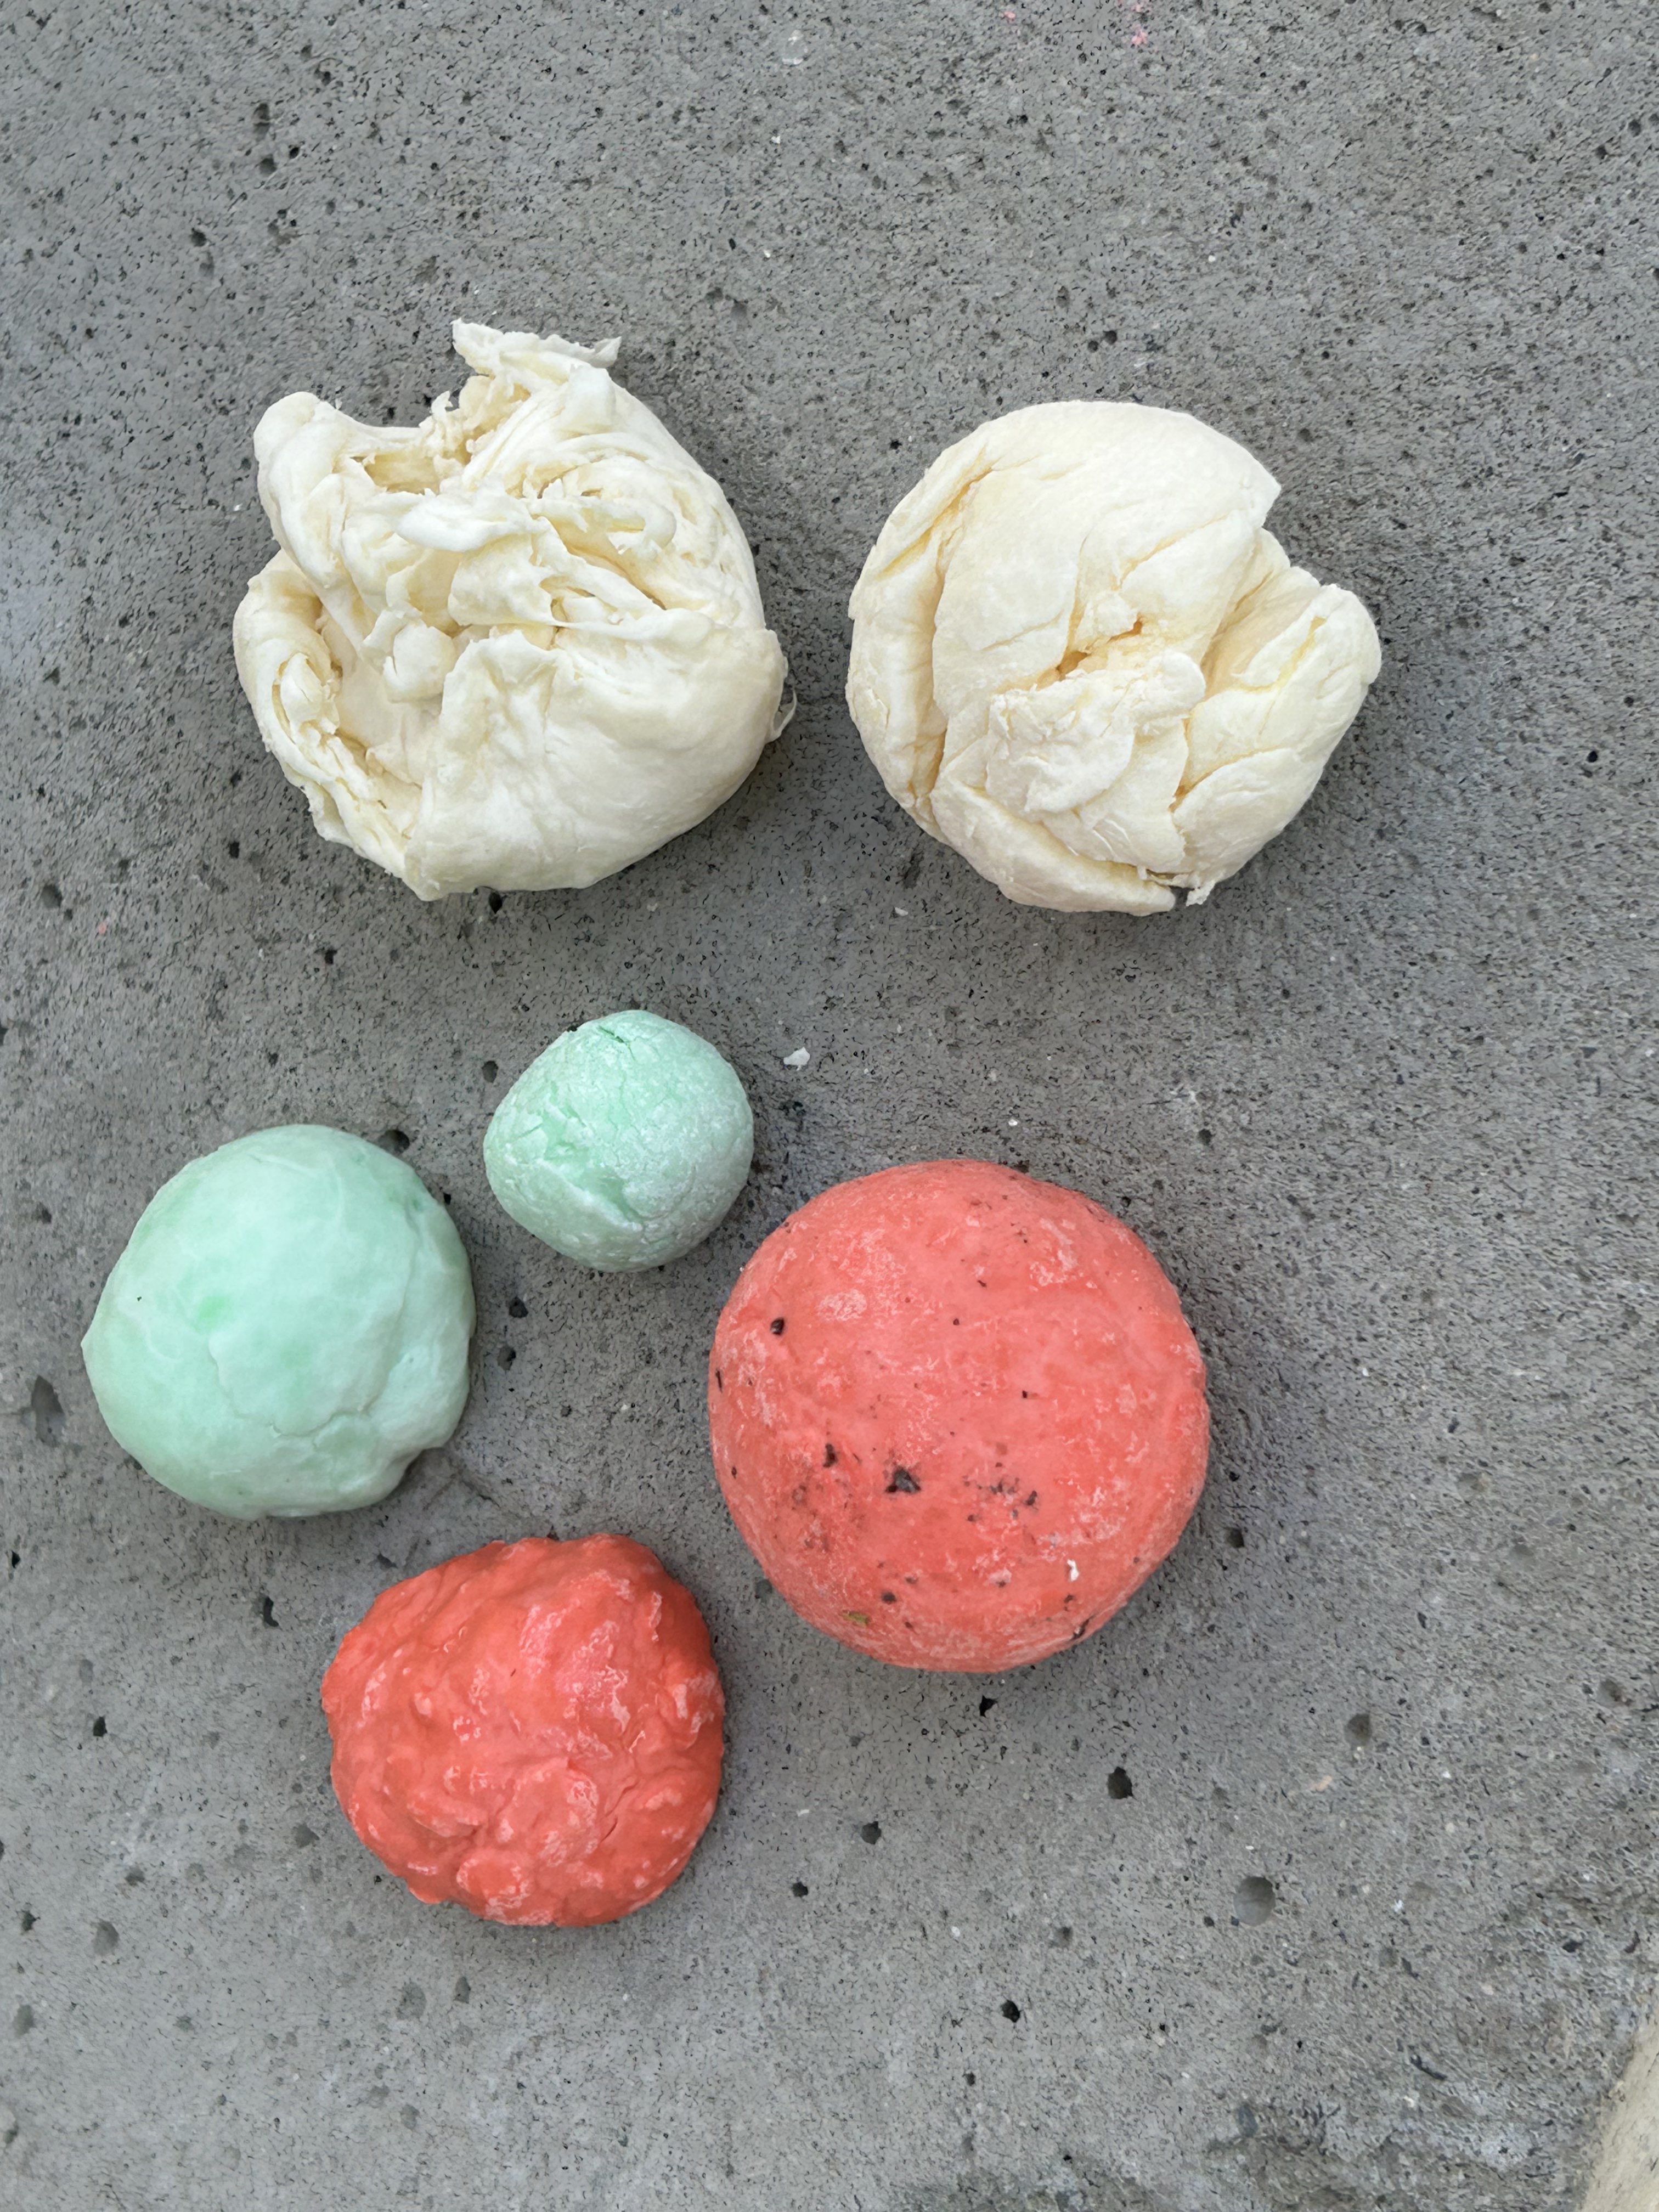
623	1144
533	1731
957	1414
287	1327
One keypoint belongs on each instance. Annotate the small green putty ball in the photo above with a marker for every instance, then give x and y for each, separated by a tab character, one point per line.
287	1327
623	1144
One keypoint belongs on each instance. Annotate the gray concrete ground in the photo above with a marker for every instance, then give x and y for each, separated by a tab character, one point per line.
1378	1107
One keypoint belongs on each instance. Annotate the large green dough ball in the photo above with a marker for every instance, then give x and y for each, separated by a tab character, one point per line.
623	1144
287	1327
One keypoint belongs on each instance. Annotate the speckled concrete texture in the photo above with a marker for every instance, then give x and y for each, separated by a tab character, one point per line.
1325	1877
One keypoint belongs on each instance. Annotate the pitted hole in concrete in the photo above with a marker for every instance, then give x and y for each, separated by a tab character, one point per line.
517	1310
1060	1940
495	901
105	1941
1118	1784
22	2020
134	1877
26	1921
51	896
463	1991
1358	1730
47	1411
303	1836
101	1726
1233	1539
870	1831
985	1705
412	2002
1253	1900
798	1889
1609	1692
393	1140
1010	2009
505	1356
490	1070
234	849
268	1612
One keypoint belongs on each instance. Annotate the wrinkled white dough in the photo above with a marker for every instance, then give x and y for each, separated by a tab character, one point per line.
1080	658
520	644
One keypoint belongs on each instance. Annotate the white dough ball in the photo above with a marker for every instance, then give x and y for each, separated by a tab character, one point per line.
520	644
1079	658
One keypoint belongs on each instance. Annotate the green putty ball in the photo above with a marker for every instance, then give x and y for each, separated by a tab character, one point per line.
287	1327
623	1144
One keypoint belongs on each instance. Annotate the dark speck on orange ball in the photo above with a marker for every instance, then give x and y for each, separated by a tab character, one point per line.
1018	1466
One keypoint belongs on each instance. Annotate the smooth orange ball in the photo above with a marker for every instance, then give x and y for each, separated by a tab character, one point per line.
957	1414
533	1731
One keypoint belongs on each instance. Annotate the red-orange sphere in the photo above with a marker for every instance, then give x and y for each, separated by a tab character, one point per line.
533	1731
957	1414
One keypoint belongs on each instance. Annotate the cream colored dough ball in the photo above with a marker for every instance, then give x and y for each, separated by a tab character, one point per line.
520	644
1079	657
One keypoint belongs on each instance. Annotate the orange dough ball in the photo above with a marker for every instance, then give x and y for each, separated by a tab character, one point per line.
957	1414
533	1731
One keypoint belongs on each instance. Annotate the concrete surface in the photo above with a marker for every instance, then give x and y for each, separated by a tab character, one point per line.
1379	1108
